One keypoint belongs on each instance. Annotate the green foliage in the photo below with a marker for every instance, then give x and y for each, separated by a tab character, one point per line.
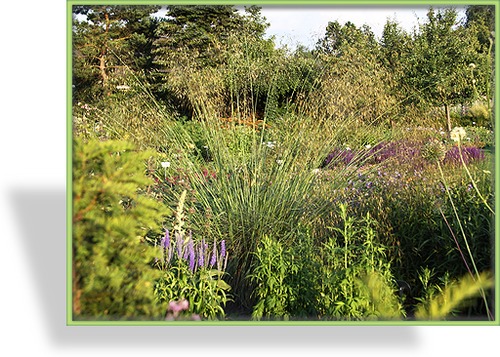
443	301
259	186
384	303
132	116
205	291
272	266
284	280
339	37
481	18
198	51
477	115
349	282
353	86
348	259
256	76
196	30
438	68
479	136
394	46
112	218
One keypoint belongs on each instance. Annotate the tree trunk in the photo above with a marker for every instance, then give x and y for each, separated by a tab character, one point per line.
102	70
448	119
102	59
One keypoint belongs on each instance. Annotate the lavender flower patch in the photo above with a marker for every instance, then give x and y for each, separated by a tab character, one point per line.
401	152
468	153
338	156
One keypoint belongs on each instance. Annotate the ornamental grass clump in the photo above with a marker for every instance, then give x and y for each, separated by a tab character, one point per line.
261	188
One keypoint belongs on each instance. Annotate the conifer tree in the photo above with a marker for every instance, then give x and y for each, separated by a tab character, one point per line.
105	40
113	275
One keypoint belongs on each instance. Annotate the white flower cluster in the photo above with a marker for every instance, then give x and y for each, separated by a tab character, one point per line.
123	87
458	134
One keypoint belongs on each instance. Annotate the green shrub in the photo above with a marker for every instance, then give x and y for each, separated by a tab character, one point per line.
479	136
480	114
112	217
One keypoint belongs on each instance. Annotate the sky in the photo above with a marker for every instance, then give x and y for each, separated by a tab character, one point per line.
293	25
306	24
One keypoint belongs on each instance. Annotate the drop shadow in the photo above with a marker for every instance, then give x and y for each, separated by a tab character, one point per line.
41	219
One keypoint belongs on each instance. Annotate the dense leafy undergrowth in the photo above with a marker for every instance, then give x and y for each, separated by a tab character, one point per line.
255	228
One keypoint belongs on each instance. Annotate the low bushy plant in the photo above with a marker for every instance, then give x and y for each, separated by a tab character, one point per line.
479	114
350	254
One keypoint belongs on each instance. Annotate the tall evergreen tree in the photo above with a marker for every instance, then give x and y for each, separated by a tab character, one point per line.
105	40
208	41
196	32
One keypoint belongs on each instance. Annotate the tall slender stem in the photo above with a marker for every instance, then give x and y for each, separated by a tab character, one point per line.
465	240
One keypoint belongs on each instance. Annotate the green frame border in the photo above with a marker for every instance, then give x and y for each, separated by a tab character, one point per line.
351	3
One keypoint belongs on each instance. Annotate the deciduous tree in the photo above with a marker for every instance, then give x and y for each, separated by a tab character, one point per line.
439	66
